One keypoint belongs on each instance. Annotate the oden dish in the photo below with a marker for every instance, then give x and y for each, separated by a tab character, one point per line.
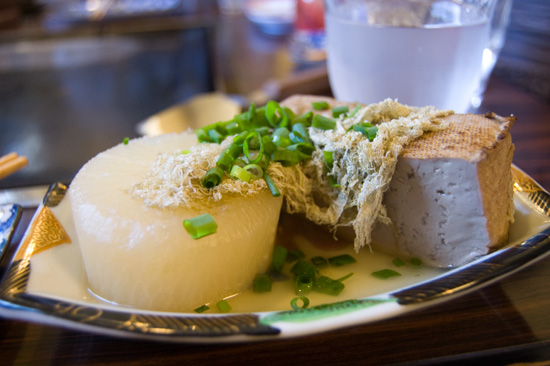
130	201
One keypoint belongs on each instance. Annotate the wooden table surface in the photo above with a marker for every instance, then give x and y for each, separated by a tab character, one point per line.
505	323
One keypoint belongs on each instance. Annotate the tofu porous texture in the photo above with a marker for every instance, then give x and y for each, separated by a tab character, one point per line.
450	196
140	255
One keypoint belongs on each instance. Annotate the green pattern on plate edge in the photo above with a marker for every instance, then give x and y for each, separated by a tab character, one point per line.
322	311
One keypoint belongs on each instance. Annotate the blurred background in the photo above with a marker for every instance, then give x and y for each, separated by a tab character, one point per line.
77	77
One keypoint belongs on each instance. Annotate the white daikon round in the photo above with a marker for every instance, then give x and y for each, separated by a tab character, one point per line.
142	256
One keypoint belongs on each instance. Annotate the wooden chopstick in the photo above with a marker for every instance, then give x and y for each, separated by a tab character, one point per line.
10	163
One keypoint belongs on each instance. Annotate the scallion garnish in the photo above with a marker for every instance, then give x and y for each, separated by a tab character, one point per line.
240	173
255	171
269	145
253	148
323	123
319	262
225	160
304	150
280	137
239	162
200	226
320	106
303	299
251	112
303	284
303	268
345	277
271	185
279	258
384	274
305	119
201	309
328	286
337	111
275	114
416	262
223	306
286	157
354	112
398	262
216	136
366	129
299	134
233	128
341	260
261	283
202	135
126	140
329	159
294	255
212	178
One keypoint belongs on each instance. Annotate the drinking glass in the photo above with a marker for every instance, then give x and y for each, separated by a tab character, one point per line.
420	52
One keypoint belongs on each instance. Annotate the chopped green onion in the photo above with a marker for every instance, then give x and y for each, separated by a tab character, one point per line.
303	268
294	302
304	150
416	262
239	162
385	274
271	185
280	136
202	135
337	111
320	106
329	159
261	283
303	284
233	128
279	258
328	286
239	173
200	226
345	277
212	178
294	255
215	135
239	139
275	114
225	161
366	129
323	123
299	134
319	262
223	306
398	262
253	148
286	157
341	260
269	145
263	131
305	119
289	113
185	152
255	171
354	112
251	112
201	309
126	140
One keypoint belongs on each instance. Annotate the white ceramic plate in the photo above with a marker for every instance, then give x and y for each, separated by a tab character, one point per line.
45	282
